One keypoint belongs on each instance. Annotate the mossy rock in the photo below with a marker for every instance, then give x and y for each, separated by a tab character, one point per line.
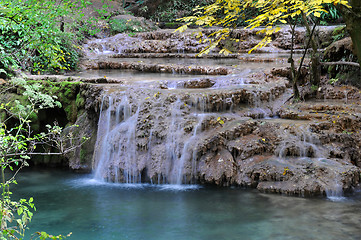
67	93
80	101
71	111
81	158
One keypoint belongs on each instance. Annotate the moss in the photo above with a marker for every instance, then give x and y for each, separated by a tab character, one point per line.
33	117
339	30
338	33
71	112
67	94
80	101
83	156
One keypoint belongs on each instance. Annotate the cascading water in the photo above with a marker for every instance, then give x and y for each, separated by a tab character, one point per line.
304	144
335	193
116	141
118	156
151	135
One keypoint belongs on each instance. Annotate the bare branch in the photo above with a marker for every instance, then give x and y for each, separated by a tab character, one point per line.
354	64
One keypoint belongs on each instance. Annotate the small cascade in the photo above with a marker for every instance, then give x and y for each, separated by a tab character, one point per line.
346	96
120	43
100	153
180	47
173	143
333	186
186	153
335	192
301	144
258	110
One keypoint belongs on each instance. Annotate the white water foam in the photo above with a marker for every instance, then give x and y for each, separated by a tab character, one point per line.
92	182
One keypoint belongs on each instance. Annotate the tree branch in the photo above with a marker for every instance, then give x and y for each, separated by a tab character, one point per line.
354	64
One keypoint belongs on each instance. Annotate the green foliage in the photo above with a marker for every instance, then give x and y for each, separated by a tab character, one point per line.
67	93
32	35
125	26
330	15
169	11
339	33
333	81
44	235
314	88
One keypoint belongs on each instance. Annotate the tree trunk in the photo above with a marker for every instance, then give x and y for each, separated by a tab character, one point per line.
315	55
353	25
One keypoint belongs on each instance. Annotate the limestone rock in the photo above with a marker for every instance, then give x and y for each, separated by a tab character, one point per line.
197	83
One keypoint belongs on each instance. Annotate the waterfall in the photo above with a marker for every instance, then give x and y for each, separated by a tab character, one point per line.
122	156
185	154
101	152
116	142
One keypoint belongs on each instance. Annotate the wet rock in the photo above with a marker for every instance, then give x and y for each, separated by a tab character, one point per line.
319	179
62	78
81	158
163	85
297	159
197	83
339	92
217	168
160	68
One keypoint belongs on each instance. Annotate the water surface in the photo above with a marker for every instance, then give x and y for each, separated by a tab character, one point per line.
68	202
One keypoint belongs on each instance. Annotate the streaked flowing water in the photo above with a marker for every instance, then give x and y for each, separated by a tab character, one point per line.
68	202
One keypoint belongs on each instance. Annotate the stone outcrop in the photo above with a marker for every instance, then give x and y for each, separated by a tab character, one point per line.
337	50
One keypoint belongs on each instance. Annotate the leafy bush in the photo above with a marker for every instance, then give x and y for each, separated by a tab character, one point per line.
170	11
331	15
123	25
32	35
339	33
